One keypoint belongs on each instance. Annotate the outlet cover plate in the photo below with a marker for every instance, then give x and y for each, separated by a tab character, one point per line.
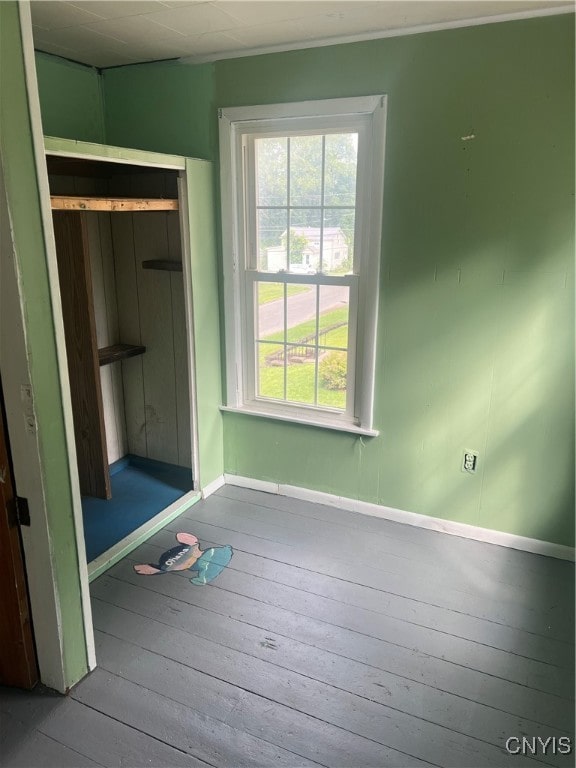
470	461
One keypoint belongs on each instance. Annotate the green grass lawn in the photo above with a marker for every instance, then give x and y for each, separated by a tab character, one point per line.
302	330
300	376
299	386
271	291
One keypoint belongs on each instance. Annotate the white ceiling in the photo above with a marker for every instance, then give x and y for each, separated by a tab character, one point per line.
106	33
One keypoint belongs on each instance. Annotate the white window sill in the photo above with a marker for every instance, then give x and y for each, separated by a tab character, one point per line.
311	422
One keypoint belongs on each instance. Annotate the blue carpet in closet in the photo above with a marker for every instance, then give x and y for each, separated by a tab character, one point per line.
141	488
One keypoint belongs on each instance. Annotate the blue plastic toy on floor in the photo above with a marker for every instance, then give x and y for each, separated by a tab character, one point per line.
188	556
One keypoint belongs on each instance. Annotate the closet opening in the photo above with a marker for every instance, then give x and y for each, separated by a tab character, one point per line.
126	306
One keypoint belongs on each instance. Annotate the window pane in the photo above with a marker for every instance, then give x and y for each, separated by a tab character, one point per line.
333	316
333	332
317	319
338	241
301	355
270	311
270	371
304	240
332	372
301	313
340	169
300	373
271	171
272	225
306	170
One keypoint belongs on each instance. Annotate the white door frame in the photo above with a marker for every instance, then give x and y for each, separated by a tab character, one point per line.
38	545
60	660
78	150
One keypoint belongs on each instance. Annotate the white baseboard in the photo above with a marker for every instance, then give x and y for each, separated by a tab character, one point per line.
213	487
487	535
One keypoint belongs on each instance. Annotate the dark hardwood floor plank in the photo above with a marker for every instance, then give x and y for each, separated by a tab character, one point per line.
422	614
387	555
24	747
305	736
369	668
112	742
432	642
436	644
223	697
29	706
491	606
494	555
99	739
392	730
379	551
331	640
40	751
179	726
409	696
410	663
504	564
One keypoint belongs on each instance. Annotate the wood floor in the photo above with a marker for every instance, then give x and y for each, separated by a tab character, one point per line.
331	639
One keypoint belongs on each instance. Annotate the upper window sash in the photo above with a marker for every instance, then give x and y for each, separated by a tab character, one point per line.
246	135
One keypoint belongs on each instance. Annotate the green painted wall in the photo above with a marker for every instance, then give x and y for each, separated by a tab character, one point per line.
162	107
204	276
17	155
165	107
138	122
475	340
70	99
475	343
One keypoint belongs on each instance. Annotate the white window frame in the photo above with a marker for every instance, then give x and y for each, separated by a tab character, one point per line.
367	115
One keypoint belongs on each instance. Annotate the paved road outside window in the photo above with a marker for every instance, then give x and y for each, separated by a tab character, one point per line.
301	306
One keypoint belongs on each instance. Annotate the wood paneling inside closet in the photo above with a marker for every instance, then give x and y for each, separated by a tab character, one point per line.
71	237
145	399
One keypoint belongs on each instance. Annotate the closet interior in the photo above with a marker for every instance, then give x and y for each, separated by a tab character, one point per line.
119	252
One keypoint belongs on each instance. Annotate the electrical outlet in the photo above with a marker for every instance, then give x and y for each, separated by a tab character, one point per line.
470	461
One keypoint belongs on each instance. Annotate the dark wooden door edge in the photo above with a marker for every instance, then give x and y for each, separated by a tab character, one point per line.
18	663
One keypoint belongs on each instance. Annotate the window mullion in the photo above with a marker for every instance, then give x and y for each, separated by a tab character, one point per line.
249	327
316	361
285	368
250	199
353	378
322	182
288	216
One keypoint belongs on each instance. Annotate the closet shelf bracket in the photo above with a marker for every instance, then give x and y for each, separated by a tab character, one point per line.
107	355
164	264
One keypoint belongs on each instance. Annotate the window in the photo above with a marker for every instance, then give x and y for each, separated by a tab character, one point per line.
302	217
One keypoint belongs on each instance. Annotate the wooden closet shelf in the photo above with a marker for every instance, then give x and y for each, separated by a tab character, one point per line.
115	204
116	352
165	264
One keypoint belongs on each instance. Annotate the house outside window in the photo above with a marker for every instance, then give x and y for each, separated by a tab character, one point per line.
302	189
327	242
